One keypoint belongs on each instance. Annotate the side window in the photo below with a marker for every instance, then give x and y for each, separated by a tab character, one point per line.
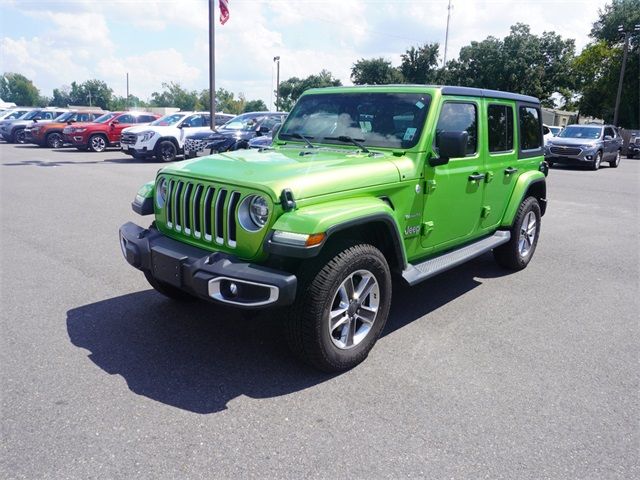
530	129
609	131
146	118
193	121
126	119
500	120
545	130
459	117
84	117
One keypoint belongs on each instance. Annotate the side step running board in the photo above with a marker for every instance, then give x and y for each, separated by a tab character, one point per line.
427	269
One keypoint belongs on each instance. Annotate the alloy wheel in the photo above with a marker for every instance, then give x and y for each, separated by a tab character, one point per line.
527	234
98	144
354	309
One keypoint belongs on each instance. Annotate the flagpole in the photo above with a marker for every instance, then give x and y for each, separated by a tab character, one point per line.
212	63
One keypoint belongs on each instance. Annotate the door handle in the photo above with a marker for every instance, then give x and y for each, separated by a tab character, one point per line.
510	171
476	177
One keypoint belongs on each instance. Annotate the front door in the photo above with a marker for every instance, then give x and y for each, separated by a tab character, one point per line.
454	191
123	121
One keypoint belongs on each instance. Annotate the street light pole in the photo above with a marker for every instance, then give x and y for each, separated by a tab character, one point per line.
127	102
637	30
277	60
446	35
212	63
624	64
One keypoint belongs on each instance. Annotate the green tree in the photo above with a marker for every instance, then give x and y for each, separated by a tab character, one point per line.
61	97
292	88
18	89
521	62
255	106
173	95
90	92
419	65
598	66
375	71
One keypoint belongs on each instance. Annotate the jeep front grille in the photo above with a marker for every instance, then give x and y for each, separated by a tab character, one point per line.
206	212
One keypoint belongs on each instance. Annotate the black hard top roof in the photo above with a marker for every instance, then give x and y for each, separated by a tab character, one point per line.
482	92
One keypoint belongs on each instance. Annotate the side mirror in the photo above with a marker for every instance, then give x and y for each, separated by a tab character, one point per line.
114	123
450	145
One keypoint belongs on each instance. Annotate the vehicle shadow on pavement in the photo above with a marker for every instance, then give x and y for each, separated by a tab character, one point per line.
199	356
194	356
45	163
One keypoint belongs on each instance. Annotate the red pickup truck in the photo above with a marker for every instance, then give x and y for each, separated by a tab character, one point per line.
104	131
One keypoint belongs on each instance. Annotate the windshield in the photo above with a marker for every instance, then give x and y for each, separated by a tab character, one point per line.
105	118
571	131
30	115
168	120
243	122
555	130
392	120
66	116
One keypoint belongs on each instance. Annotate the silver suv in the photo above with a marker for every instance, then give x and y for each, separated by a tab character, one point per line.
588	145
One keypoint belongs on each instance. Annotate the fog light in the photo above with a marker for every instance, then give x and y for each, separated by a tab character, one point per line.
589	157
233	289
123	246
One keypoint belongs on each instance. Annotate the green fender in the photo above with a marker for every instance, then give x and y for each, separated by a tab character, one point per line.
522	186
146	190
332	217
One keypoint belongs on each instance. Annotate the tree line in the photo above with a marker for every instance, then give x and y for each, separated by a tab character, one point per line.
544	66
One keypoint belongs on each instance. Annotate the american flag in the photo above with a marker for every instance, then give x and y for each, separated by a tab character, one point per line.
224	11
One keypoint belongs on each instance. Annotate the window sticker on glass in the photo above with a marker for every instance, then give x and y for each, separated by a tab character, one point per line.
365	127
419	104
409	133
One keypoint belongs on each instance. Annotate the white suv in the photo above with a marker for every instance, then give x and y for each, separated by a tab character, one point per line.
164	138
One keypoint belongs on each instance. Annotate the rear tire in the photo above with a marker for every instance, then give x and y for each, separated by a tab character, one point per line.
341	308
168	290
614	163
54	140
518	251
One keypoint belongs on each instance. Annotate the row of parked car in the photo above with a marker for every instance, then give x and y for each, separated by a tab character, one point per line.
139	134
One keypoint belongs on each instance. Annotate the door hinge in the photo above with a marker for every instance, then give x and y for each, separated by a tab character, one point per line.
427	228
429	186
488	177
486	211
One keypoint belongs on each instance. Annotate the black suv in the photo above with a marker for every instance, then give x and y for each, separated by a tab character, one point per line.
233	135
633	145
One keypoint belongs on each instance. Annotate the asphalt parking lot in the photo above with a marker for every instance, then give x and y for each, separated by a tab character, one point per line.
480	373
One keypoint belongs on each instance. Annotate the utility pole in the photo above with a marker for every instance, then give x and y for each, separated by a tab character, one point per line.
625	50
89	98
277	60
127	102
212	63
637	30
446	35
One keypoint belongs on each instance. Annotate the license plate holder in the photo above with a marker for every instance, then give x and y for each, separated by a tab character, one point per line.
167	266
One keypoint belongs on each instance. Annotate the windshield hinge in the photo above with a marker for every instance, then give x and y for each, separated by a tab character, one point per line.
287	200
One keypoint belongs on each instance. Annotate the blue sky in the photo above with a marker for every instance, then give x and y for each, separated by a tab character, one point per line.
55	42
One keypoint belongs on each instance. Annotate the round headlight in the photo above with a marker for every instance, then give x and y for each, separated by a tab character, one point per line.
253	213
161	192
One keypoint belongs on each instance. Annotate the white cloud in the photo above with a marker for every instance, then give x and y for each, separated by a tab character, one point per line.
309	35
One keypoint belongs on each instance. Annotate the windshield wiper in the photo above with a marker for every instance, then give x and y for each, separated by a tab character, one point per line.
300	136
347	139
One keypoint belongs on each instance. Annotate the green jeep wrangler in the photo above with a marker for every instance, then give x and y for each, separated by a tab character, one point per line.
361	182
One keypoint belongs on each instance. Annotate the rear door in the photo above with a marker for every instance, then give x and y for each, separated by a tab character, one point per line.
501	160
452	205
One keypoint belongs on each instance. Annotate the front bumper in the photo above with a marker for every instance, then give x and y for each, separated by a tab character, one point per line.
75	139
211	276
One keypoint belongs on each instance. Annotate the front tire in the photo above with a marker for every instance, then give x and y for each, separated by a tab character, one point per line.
20	136
614	163
166	151
97	143
595	165
341	310
518	251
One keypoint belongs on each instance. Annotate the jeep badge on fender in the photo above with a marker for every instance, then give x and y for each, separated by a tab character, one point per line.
360	182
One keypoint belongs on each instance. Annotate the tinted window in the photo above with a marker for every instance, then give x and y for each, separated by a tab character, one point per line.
194	121
530	129
126	119
500	120
146	118
609	131
460	117
84	117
